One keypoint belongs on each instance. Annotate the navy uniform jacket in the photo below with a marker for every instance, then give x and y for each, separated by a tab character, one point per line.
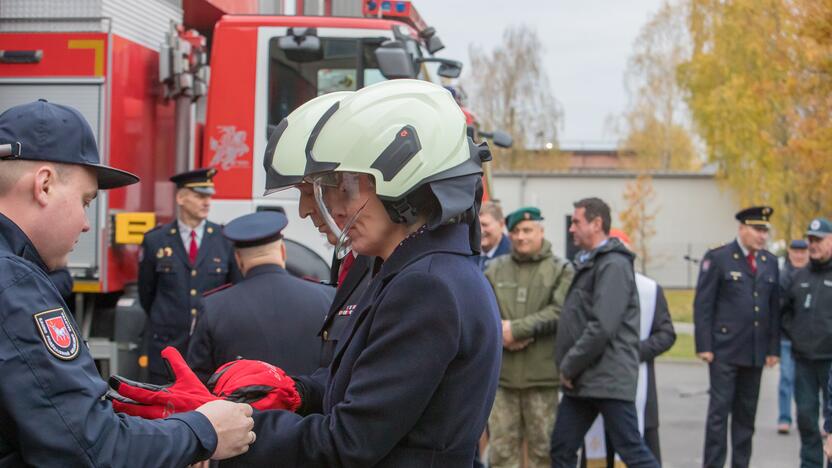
399	392
338	318
269	316
343	305
170	288
51	409
736	313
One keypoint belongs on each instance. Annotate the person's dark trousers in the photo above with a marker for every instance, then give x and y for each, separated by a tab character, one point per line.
785	388
810	378
651	438
734	392
576	415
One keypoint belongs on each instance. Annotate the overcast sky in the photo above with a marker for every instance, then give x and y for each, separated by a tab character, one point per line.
587	45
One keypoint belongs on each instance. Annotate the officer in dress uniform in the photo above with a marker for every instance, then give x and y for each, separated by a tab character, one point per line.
270	315
179	262
737	332
52	413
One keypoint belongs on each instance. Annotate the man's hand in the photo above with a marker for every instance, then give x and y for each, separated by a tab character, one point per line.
772	361
519	345
707	357
827	447
567	383
233	424
508	338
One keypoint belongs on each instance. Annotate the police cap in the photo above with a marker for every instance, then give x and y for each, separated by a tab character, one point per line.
255	229
44	131
799	244
819	227
755	216
527	213
198	180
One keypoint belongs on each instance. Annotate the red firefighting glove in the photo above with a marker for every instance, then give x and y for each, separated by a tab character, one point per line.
149	401
257	383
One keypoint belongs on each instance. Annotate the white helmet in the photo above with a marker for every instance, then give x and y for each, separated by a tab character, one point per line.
406	134
284	159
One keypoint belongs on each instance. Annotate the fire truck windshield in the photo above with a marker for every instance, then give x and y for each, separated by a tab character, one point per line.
345	64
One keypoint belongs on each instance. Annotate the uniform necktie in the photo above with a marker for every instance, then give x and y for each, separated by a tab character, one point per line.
193	249
345	267
752	262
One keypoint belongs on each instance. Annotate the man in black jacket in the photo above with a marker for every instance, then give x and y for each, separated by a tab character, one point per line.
597	343
807	320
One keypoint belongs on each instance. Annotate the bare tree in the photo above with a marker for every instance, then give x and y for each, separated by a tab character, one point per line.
639	216
509	89
656	125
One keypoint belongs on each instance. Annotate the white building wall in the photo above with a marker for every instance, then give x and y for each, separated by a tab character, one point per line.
694	213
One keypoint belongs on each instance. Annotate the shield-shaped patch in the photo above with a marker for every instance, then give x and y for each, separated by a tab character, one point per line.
57	333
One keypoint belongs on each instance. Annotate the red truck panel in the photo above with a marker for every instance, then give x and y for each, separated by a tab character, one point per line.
64	54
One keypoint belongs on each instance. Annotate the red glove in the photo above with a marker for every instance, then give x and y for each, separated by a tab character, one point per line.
149	401
257	383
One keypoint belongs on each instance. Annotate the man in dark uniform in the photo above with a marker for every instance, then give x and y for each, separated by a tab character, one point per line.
51	408
737	332
270	316
180	261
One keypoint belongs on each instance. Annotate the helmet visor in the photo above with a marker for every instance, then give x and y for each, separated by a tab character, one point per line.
341	197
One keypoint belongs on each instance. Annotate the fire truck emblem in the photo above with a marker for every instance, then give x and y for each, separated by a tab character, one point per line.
229	148
57	333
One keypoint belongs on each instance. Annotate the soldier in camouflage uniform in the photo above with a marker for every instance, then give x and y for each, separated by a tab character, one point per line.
530	285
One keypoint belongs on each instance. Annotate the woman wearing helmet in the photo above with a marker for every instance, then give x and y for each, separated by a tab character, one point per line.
414	375
285	163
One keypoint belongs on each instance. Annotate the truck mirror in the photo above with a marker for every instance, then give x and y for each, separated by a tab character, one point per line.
499	138
432	41
301	45
394	61
447	68
502	139
434	44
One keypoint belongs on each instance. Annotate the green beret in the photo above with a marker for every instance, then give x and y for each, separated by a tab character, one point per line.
527	213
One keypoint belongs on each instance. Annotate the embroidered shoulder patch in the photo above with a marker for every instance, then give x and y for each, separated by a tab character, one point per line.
57	333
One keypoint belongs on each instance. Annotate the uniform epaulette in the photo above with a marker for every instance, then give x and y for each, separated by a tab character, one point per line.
217	289
155	228
312	279
719	246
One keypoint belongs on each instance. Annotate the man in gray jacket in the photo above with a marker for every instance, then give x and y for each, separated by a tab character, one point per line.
597	343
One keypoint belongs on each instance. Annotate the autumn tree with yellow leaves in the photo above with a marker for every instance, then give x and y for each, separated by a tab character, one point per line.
758	86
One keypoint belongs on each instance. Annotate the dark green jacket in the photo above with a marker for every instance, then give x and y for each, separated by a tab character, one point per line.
530	292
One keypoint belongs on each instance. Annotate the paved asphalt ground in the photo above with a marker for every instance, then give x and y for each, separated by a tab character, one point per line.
683	405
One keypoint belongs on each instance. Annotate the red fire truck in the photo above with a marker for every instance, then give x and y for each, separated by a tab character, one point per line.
138	70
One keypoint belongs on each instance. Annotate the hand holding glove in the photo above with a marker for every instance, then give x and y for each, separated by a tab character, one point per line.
257	383
149	401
